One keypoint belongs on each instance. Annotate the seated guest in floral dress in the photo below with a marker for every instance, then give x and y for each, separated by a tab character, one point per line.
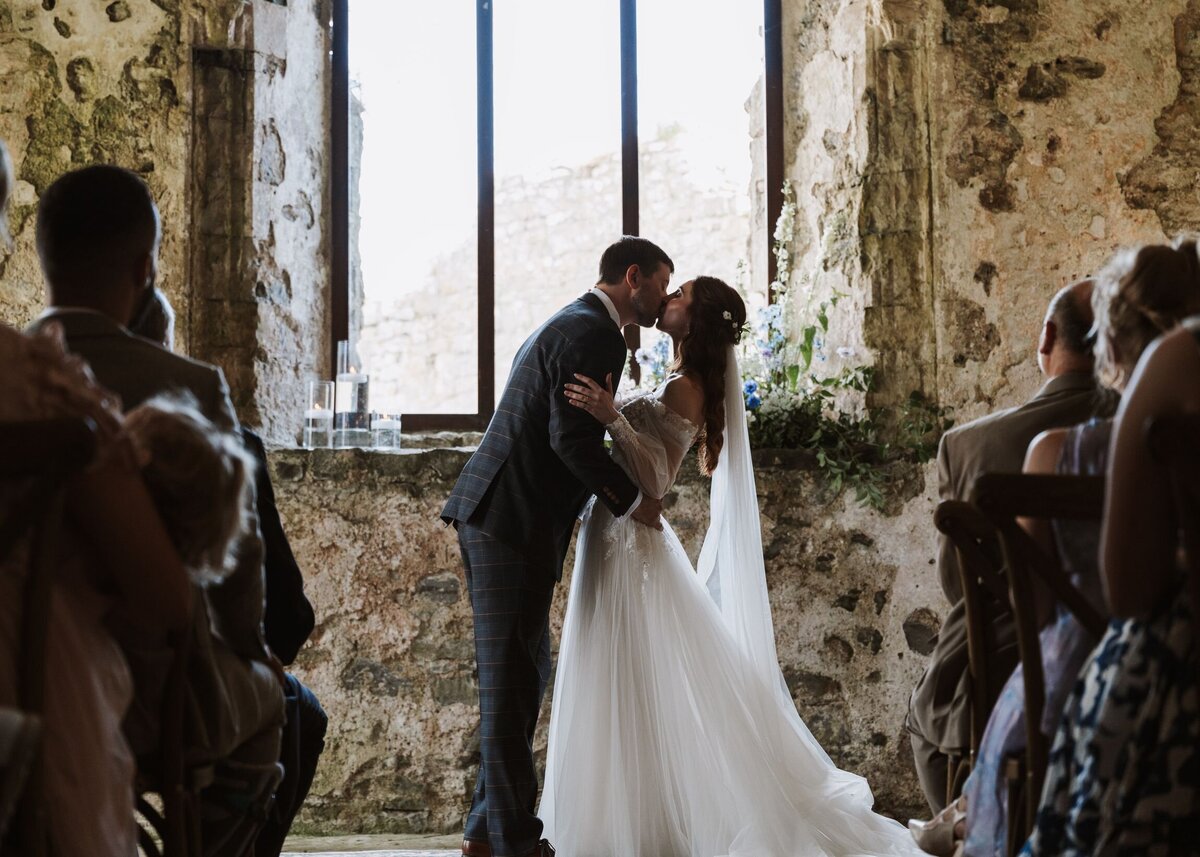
114	562
1124	772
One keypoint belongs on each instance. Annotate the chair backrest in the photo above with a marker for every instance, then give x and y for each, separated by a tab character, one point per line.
36	460
1174	442
1004	498
985	602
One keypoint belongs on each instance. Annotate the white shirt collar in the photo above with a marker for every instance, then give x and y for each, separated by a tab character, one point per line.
52	311
608	305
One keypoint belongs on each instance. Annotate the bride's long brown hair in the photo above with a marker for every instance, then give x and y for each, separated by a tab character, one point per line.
717	316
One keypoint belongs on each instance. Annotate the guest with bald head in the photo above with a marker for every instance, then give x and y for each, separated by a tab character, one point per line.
939	713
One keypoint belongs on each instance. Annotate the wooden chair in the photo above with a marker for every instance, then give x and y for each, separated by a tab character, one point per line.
171	827
1003	498
1174	442
37	459
985	599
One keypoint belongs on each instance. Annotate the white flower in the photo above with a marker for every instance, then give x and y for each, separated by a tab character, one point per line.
727	315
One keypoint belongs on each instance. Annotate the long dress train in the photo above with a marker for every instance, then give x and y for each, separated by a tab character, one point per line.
670	735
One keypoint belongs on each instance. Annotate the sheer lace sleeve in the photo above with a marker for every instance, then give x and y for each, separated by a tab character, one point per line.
655	451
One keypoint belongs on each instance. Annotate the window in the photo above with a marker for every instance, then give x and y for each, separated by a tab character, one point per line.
476	180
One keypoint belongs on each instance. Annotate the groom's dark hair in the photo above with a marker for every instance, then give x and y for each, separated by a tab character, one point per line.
631	250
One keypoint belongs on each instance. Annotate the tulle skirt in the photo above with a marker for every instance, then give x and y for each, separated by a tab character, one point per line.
665	742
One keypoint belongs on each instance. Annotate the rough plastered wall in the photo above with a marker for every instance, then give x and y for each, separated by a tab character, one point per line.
220	106
392	655
1065	130
85	83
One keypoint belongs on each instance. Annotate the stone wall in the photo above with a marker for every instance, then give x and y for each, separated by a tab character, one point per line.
219	106
1062	132
392	654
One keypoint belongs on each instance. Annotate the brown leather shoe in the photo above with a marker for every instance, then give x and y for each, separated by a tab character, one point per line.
475	848
543	849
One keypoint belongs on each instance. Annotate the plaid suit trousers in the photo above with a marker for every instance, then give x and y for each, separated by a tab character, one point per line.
510	599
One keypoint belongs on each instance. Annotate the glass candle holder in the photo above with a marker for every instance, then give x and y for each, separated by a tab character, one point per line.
351	421
385	431
318	415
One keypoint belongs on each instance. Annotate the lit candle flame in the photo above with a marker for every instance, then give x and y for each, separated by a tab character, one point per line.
353	371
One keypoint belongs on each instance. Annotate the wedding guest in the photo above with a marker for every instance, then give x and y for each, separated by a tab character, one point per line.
939	714
1124	771
97	238
98	235
201	481
114	563
1136	297
288	620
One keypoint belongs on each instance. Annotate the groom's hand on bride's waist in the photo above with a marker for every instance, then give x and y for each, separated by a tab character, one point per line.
649	512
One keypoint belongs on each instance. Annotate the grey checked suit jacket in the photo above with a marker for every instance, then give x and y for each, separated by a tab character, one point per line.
541	457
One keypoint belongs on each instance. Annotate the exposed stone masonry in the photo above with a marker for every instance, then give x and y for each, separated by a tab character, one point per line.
392	655
199	98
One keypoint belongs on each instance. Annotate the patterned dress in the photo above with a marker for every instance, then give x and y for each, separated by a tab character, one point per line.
1124	772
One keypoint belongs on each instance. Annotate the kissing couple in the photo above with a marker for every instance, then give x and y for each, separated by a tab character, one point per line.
672	732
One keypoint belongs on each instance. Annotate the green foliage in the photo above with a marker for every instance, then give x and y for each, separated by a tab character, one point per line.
791	406
852	450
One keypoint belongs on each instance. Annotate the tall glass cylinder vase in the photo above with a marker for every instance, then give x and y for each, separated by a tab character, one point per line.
351	419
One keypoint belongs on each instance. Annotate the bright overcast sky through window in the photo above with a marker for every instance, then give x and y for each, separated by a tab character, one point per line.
414	68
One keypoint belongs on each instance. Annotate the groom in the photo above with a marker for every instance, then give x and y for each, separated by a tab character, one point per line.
514	507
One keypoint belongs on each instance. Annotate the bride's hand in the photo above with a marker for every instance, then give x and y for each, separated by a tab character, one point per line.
591	397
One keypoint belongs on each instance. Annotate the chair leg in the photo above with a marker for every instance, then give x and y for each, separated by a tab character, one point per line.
1017	822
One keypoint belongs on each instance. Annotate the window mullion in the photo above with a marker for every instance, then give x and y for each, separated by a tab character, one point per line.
629	153
487	208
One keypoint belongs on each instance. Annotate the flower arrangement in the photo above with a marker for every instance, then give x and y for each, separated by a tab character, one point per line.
655	362
790	405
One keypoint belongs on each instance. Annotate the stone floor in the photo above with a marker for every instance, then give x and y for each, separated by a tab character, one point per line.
374	846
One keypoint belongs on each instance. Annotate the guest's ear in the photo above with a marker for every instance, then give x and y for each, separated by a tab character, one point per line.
146	272
1049	338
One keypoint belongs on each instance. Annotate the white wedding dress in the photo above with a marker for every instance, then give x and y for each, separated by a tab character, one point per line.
672	733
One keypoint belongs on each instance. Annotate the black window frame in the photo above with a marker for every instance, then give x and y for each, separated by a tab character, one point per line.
340	274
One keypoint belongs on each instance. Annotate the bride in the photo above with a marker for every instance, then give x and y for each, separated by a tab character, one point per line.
672	733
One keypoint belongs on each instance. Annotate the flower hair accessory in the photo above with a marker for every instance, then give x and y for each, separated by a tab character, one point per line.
737	329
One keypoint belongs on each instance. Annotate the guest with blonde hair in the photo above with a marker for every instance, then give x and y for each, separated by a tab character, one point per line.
1124	772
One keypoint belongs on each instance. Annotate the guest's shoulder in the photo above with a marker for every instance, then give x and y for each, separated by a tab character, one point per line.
179	364
978	428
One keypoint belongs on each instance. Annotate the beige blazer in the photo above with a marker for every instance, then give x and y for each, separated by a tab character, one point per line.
997	444
137	369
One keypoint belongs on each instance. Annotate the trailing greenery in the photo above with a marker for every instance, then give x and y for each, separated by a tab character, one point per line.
790	404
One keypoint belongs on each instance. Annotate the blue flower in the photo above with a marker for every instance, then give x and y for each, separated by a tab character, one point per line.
753	402
750	387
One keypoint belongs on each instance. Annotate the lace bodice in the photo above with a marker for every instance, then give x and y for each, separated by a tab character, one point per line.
651	441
